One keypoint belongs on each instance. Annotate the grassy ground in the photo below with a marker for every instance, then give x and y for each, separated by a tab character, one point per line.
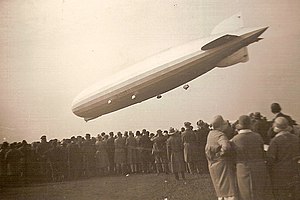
139	187
132	187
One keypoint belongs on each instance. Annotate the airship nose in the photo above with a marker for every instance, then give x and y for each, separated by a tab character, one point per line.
76	104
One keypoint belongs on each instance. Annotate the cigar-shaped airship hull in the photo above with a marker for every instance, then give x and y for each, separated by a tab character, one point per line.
165	71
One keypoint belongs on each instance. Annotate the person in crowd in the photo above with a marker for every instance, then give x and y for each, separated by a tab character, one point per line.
138	137
13	159
175	153
188	139
89	150
74	159
283	149
261	126
201	138
64	159
249	160
25	148
146	148
276	110
131	144
102	162
181	130
45	169
54	158
159	150
111	152
120	156
220	165
3	165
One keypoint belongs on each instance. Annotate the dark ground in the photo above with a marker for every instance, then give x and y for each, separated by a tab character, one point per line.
132	187
137	186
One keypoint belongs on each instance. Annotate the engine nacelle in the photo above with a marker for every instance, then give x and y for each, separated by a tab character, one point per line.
237	57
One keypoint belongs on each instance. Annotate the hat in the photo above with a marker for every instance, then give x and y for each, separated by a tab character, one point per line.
244	122
218	122
171	131
281	124
257	115
275	108
187	124
43	137
159	131
200	122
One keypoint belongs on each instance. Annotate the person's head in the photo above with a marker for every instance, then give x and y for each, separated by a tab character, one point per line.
219	123
244	122
188	125
137	133
281	124
159	132
144	131
257	115
4	145
200	123
44	138
99	137
119	134
275	108
111	134
87	136
171	131
126	134
131	133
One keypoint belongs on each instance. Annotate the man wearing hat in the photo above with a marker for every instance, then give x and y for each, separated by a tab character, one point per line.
283	150
201	138
276	110
111	152
189	139
159	151
131	145
41	150
249	161
220	166
120	154
259	125
175	153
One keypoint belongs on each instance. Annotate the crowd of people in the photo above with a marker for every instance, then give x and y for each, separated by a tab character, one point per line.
241	168
233	154
106	154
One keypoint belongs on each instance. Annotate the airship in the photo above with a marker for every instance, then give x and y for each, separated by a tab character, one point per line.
169	69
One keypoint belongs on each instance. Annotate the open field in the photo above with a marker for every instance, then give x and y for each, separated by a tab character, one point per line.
132	187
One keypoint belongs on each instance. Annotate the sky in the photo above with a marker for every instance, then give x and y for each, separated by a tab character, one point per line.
51	50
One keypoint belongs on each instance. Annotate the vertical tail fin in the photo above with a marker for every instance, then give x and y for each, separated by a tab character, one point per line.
232	23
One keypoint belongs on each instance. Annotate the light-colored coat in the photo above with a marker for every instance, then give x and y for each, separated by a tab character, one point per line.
101	154
131	150
120	154
220	166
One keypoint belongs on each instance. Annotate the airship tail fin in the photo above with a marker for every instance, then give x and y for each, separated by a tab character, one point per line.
230	24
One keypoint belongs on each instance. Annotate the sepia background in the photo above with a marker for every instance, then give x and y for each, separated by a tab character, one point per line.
52	50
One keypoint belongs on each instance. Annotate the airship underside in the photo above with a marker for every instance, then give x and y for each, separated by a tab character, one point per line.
164	72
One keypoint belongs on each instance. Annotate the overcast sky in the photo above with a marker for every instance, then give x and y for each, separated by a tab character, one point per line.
51	50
